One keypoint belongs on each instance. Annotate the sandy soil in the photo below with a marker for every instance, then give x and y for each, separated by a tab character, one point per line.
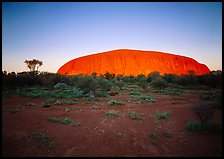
99	135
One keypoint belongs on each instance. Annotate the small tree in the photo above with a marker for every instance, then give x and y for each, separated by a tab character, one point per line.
33	65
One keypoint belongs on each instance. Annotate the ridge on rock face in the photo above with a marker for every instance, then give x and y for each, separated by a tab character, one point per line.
132	62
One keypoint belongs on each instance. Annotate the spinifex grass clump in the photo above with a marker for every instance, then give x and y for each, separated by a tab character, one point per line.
163	115
114	102
58	102
112	113
135	116
47	141
70	102
169	92
154	137
135	92
94	107
31	104
64	121
144	98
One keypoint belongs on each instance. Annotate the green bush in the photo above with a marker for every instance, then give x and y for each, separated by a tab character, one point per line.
61	86
87	84
171	78
205	128
102	94
109	76
119	83
159	83
153	76
204	112
105	84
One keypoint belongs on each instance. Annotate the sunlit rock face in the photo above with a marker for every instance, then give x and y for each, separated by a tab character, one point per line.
132	62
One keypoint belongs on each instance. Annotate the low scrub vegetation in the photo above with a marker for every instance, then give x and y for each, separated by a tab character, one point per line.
64	121
42	137
112	113
169	92
208	127
164	115
204	112
144	98
135	116
115	102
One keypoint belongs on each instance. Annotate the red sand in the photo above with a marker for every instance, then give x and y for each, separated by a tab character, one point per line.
102	136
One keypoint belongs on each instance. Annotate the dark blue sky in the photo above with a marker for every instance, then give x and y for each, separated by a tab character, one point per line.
58	32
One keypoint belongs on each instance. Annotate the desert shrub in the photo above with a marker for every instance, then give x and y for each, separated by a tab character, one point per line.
143	84
28	79
204	112
212	79
47	79
129	79
90	97
159	83
214	96
119	83
105	84
77	93
171	78
87	84
109	76
205	128
153	76
60	86
21	79
102	94
187	79
141	77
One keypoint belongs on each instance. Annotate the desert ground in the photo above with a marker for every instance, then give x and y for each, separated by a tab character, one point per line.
136	129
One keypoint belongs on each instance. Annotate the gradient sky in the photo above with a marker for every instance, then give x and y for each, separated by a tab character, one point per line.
57	32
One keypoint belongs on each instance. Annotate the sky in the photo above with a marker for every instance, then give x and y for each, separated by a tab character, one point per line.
57	32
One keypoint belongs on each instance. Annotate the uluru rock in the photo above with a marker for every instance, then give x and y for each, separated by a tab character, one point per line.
132	62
